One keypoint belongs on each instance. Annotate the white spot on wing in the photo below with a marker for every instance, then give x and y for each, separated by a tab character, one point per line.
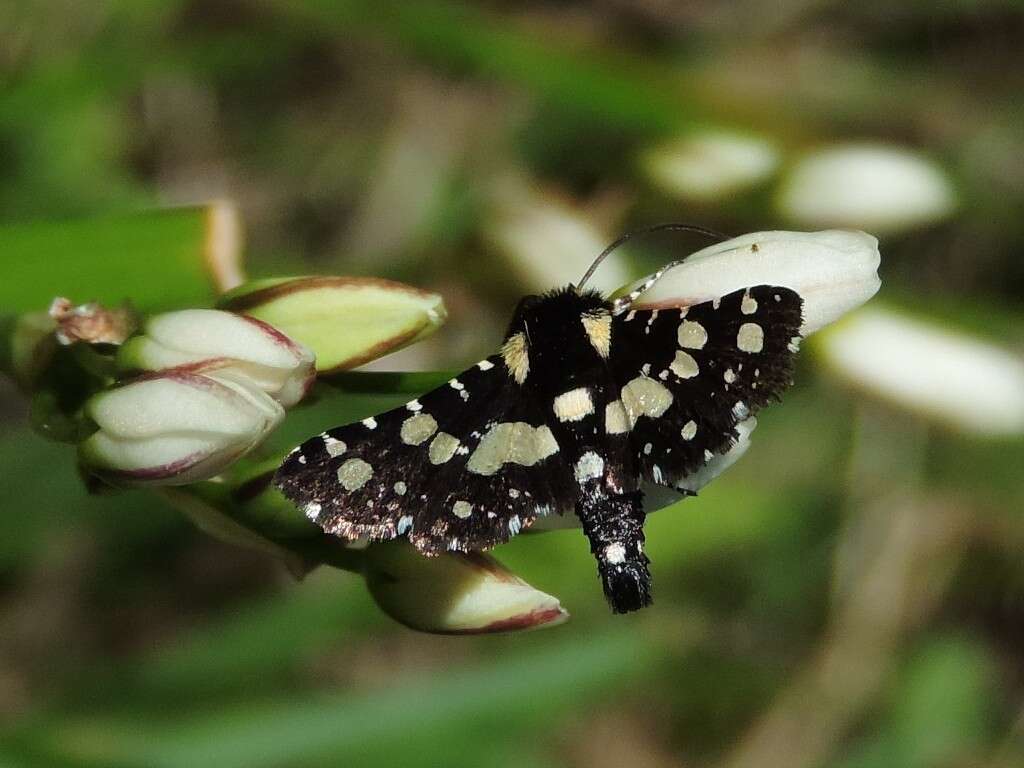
462	509
354	474
692	335
689	430
684	366
573	405
750	338
333	447
749	304
370	423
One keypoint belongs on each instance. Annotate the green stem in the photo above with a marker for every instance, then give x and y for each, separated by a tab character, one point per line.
385	383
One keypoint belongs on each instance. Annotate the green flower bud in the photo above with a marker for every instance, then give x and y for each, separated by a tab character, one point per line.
346	321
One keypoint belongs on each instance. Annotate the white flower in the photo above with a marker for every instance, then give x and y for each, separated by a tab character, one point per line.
945	376
455	593
174	428
710	165
884	189
833	271
226	346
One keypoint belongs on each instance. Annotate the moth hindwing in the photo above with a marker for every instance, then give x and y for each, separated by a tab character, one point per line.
579	408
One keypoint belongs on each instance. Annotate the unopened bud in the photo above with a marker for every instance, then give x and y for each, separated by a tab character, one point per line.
174	428
223	345
455	593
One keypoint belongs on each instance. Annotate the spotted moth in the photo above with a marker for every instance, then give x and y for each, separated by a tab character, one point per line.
587	400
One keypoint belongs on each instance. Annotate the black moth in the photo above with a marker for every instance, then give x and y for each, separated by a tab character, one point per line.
587	400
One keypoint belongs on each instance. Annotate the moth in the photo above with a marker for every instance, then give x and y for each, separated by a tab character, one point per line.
588	400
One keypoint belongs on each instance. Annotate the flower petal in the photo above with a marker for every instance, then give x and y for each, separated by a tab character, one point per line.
346	321
455	593
833	271
884	189
926	369
224	345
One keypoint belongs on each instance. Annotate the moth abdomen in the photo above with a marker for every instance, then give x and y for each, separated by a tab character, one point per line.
614	526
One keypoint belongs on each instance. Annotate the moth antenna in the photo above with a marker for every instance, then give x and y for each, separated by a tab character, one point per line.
669	227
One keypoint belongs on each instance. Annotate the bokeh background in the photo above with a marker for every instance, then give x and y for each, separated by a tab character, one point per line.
851	594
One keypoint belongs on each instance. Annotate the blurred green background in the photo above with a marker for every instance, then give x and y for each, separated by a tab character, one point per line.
851	594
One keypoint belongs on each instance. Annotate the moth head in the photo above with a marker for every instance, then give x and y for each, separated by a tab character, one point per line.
556	332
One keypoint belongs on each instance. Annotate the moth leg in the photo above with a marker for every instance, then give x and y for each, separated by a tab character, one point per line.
615	527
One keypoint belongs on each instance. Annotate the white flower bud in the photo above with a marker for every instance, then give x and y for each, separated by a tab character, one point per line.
454	593
226	346
884	189
174	428
947	377
833	271
709	165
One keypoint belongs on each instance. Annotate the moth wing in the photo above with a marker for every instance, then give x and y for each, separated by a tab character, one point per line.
688	376
463	467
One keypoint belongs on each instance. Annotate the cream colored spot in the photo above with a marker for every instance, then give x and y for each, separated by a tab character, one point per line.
729	376
485	365
333	446
598	327
750	338
370	423
590	466
616	420
354	474
645	397
404	525
414	406
442	448
517	357
312	510
417	429
689	430
573	405
401	488
615	553
749	304
511	443
462	509
692	335
684	366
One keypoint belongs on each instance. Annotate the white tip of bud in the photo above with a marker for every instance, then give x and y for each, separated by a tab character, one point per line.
455	593
884	189
224	345
709	165
175	428
947	377
833	271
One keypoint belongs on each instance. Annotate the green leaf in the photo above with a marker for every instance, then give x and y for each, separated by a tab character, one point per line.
439	717
154	259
